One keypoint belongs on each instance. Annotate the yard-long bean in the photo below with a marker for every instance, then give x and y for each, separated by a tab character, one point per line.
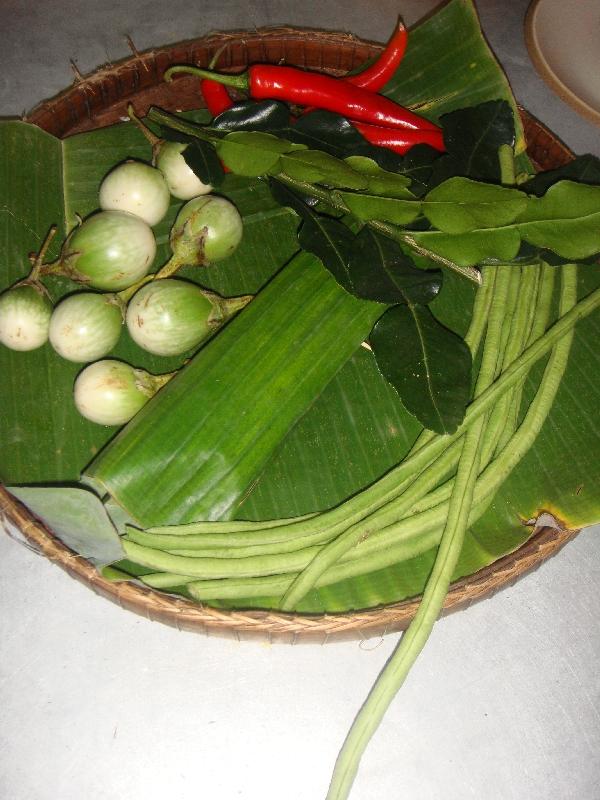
412	642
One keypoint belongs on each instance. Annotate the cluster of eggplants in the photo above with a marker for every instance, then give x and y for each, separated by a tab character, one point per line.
112	252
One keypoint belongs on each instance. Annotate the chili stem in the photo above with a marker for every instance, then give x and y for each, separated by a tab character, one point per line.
236	81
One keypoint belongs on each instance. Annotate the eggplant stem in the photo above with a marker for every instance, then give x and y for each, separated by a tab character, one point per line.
151	137
38	261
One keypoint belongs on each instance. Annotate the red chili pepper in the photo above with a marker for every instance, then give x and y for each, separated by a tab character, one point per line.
215	96
376	75
397	140
217	100
267	82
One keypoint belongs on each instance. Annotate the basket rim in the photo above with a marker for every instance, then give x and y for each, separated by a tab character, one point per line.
209	45
273	626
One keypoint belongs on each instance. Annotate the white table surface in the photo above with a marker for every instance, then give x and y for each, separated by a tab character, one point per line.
99	704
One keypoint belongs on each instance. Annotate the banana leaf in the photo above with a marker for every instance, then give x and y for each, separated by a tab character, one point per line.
358	428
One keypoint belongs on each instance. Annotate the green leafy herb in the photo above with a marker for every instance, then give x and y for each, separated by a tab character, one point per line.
468	249
316	166
460	205
252	153
566	220
396	210
379	180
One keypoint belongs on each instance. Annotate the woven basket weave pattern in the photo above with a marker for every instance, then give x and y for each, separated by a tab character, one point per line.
101	99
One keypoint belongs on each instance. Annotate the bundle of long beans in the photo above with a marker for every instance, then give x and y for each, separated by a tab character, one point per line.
443	485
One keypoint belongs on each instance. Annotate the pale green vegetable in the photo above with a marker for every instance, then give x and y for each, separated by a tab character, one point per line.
183	183
110	250
169	316
137	188
206	230
111	392
86	326
25	312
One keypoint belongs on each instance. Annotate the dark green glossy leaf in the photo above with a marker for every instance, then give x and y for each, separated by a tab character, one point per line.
428	365
324	130
380	270
291	199
418	166
202	159
448	66
332	242
584	169
328	239
472	137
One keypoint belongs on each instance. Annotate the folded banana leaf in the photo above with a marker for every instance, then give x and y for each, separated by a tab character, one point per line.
208	434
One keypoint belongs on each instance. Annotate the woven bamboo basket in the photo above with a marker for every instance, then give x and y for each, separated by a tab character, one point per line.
101	99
